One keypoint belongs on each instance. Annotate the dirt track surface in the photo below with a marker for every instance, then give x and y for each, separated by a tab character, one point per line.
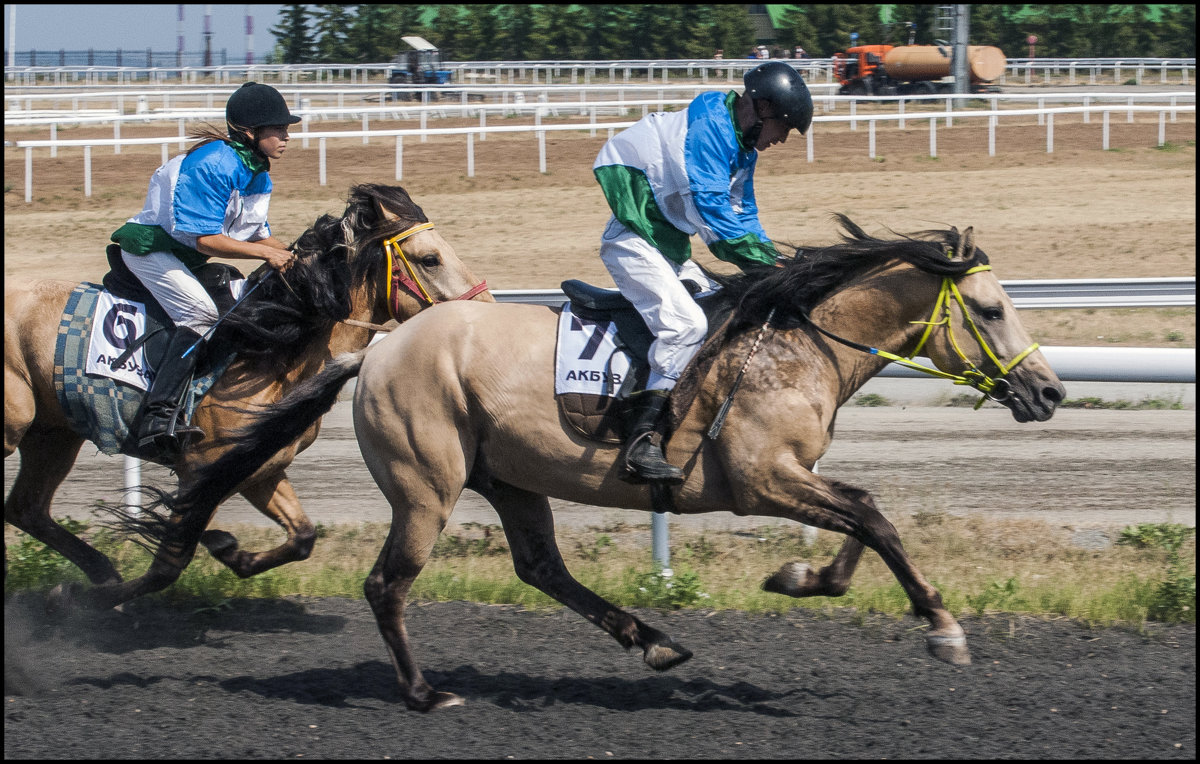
308	678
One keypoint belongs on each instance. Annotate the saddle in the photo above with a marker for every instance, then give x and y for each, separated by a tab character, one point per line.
602	417
107	411
214	277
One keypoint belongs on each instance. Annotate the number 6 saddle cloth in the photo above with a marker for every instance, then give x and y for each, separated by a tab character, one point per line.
110	340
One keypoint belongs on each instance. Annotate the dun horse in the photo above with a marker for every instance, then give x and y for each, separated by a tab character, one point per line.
381	260
483	415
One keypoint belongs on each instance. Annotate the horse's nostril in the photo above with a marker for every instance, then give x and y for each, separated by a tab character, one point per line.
1053	394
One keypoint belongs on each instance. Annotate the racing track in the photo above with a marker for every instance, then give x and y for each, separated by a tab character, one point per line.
310	678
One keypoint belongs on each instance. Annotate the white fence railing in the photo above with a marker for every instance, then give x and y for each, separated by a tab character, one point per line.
1115	70
1045	116
177	104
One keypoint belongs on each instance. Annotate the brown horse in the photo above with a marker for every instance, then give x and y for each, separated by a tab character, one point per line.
801	339
380	260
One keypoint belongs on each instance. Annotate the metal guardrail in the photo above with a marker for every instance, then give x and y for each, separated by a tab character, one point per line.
1034	294
1072	364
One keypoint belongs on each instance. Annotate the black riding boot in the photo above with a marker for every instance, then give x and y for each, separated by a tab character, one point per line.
643	456
160	414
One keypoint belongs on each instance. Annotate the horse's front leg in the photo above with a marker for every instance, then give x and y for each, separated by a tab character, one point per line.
275	498
839	507
798	579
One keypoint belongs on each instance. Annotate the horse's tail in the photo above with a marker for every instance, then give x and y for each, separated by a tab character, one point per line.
168	517
269	431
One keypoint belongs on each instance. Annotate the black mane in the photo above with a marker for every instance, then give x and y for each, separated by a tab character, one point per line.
804	280
813	274
335	256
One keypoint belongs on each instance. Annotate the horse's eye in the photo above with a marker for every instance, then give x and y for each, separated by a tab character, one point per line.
431	261
992	314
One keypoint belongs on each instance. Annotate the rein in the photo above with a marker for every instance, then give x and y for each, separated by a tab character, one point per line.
994	388
408	276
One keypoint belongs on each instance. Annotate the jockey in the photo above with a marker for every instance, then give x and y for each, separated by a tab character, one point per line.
672	175
208	202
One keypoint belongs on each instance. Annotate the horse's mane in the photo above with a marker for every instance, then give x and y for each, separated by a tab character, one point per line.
812	274
334	257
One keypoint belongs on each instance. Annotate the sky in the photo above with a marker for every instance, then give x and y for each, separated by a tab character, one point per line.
137	27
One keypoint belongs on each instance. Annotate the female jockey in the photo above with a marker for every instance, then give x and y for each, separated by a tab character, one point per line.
668	177
208	202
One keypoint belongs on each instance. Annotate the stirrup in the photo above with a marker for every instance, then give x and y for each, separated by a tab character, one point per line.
173	439
654	469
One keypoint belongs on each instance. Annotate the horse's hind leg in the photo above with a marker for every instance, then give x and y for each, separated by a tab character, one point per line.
276	499
529	527
46	460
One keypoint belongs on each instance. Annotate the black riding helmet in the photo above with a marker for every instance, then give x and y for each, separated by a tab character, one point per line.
783	86
256	105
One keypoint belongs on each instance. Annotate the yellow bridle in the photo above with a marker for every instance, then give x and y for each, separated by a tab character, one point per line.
408	277
995	388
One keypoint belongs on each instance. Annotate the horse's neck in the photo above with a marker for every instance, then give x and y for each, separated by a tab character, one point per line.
879	312
368	312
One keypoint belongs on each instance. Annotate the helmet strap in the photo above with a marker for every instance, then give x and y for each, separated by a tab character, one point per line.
750	137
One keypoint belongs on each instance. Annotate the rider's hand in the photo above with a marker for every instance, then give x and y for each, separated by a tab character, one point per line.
280	259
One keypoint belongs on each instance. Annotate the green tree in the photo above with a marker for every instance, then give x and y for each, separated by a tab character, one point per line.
729	30
796	29
294	39
514	23
480	24
557	33
332	30
448	31
607	31
1178	33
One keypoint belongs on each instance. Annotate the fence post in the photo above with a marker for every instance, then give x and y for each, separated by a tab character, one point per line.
321	173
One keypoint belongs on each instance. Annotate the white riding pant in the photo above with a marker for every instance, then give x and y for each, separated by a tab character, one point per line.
178	291
653	284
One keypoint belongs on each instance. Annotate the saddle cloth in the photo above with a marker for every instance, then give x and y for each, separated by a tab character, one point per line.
98	406
590	370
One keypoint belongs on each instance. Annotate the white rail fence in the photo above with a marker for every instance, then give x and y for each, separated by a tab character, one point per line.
37	107
1096	70
1045	115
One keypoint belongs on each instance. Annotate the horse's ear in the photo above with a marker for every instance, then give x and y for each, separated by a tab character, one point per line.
384	212
966	244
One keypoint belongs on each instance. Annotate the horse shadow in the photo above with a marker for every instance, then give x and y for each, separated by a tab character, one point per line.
374	681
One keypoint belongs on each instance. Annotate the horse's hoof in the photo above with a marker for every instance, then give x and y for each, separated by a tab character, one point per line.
437	700
790	579
665	655
949	647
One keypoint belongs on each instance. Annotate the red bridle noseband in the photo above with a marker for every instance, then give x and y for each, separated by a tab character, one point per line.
408	276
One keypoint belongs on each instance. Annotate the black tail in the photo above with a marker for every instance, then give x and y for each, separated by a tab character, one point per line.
276	427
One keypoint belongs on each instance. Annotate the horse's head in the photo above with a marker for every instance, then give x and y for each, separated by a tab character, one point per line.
974	333
931	293
417	267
